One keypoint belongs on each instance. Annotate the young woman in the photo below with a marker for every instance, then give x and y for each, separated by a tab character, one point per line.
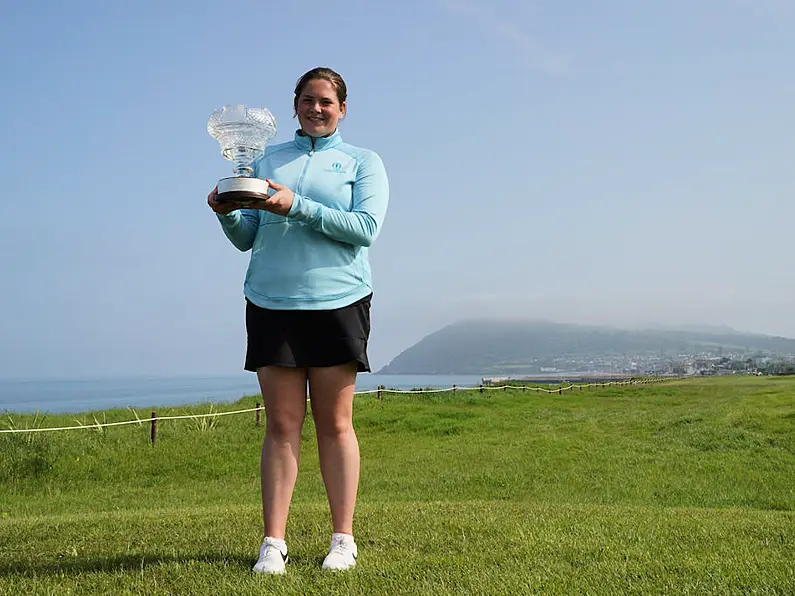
308	290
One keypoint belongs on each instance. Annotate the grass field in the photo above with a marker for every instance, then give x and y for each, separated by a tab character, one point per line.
685	487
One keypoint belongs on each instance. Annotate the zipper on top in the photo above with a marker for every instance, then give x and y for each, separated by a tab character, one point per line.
306	167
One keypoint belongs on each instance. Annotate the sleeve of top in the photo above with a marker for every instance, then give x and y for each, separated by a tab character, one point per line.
359	226
240	227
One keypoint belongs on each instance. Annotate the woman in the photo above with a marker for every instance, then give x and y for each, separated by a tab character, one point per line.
308	290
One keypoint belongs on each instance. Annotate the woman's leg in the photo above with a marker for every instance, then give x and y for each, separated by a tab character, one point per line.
331	392
284	398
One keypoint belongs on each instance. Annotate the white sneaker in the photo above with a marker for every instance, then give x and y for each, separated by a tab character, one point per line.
342	554
272	556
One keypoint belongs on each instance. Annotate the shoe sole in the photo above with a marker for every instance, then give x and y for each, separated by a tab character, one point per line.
332	569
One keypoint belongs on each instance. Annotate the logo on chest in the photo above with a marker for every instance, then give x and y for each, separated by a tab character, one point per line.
336	168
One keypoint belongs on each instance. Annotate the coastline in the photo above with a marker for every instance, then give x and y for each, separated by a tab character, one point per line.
62	396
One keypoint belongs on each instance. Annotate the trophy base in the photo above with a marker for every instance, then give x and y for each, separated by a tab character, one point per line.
241	190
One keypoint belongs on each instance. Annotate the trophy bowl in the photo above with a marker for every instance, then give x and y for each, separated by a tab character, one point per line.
243	133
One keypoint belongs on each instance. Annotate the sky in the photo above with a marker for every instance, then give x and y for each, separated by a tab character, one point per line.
614	162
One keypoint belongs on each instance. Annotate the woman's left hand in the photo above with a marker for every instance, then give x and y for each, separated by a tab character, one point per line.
278	203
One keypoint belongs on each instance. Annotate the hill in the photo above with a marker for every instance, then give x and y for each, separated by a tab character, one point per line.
494	347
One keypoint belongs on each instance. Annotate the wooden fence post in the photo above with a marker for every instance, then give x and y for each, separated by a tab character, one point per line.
379	393
154	427
453	387
258	414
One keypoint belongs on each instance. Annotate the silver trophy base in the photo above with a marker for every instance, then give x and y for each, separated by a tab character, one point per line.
241	190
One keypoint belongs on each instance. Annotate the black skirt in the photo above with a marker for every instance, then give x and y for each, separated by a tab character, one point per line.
308	338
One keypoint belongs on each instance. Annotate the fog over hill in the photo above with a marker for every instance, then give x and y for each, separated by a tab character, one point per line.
531	346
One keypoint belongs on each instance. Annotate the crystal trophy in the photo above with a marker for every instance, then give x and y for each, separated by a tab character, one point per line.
243	134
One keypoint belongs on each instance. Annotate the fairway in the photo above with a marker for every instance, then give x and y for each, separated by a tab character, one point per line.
684	487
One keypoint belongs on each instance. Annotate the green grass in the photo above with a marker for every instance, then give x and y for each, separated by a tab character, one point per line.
683	488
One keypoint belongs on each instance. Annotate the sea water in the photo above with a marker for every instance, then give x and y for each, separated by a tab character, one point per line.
85	395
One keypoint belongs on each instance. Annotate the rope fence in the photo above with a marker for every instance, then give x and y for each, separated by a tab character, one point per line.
380	391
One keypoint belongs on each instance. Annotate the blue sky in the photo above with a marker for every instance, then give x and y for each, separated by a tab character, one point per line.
615	162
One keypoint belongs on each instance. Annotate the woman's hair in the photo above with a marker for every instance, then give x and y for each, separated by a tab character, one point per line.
322	73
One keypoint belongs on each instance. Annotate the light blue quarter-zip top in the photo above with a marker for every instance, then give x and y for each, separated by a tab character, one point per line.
315	257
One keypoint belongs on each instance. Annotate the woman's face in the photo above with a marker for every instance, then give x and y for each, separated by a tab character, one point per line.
318	108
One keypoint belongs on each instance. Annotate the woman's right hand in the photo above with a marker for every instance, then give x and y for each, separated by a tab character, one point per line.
220	208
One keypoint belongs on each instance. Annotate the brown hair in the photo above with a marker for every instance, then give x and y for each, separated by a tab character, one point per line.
322	73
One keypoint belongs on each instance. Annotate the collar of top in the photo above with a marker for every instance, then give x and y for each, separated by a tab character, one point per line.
304	142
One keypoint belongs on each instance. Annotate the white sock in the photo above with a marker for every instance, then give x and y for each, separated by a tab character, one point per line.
338	535
279	542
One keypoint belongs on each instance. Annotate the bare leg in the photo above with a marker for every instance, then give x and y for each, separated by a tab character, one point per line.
331	392
284	397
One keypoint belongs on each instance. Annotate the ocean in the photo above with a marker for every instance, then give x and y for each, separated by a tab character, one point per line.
19	396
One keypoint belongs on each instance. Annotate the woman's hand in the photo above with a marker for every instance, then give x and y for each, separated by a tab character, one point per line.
220	208
279	202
